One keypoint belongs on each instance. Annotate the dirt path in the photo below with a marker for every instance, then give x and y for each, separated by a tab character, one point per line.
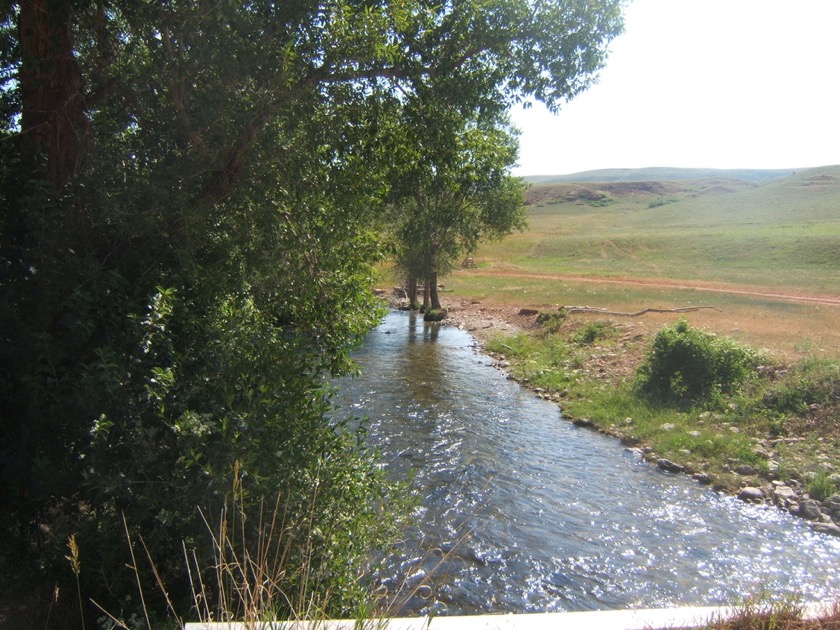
672	284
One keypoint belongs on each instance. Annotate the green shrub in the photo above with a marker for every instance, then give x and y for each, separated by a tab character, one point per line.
552	321
434	315
689	364
593	331
660	201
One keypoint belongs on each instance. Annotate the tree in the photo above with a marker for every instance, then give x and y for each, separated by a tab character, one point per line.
454	192
185	255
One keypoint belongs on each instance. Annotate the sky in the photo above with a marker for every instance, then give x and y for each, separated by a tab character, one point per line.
705	84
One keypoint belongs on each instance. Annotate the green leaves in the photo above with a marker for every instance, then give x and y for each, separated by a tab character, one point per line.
455	190
193	195
689	364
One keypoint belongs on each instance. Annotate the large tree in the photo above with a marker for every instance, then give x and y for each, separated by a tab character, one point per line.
453	191
187	193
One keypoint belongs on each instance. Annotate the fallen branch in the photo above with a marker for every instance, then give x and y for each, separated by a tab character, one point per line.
592	309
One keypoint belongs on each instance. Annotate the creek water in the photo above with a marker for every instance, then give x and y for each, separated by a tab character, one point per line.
521	511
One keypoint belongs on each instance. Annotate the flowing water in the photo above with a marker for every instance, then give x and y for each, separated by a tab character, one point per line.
521	511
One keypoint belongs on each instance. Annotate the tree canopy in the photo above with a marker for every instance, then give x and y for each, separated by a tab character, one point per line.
189	190
451	192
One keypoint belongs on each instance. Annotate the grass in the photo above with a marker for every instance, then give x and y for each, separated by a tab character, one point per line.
755	614
781	234
748	249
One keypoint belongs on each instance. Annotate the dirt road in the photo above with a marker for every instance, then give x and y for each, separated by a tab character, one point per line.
672	284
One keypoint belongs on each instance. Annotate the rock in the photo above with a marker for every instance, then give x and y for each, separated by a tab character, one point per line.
809	509
783	494
745	469
826	528
528	312
750	494
668	426
832	502
702	478
669	466
761	452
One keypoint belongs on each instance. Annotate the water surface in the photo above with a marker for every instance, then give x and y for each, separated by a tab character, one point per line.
521	511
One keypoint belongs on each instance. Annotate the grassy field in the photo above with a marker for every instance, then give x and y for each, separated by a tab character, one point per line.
765	254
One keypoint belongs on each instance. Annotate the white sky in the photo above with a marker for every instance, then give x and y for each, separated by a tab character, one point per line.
702	83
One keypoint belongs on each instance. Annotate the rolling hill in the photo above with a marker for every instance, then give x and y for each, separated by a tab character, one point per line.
661	173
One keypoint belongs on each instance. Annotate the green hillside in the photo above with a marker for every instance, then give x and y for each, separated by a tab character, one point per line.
782	233
659	174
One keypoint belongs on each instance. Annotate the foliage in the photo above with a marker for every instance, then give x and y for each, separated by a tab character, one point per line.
453	192
189	198
822	485
593	331
809	382
715	433
545	362
552	321
686	363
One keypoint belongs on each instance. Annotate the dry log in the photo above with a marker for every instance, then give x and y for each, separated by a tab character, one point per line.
600	311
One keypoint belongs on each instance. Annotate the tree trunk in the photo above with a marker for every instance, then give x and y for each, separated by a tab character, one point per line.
411	291
426	292
433	290
54	127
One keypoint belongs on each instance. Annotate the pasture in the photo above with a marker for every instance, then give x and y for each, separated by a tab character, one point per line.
766	254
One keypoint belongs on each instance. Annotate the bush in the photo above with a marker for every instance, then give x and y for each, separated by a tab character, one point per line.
689	364
552	321
593	331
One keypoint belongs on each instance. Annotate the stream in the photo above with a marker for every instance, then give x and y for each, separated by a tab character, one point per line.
521	511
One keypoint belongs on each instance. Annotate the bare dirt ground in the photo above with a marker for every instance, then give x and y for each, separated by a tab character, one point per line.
483	321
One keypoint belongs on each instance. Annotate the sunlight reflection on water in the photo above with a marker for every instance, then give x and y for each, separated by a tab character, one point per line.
523	512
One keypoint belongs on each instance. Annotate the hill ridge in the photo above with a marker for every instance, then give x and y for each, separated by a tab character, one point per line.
657	173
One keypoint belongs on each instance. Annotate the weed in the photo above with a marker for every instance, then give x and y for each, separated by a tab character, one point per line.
821	486
759	614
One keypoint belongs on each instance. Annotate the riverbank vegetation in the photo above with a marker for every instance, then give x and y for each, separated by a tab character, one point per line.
755	614
693	402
